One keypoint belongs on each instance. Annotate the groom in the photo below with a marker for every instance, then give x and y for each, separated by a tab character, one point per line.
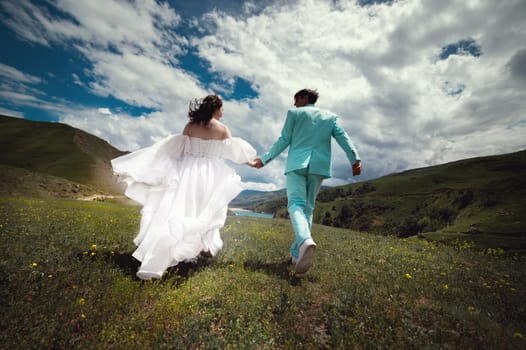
307	132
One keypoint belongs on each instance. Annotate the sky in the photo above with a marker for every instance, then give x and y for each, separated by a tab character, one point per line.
415	83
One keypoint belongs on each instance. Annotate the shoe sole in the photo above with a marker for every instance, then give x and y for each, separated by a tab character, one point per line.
305	262
147	275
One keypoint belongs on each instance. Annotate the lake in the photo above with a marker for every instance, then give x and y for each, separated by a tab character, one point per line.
245	212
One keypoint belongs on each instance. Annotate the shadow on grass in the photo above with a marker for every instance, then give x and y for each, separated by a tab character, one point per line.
129	265
283	269
182	271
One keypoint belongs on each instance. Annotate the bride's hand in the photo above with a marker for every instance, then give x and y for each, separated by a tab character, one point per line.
256	163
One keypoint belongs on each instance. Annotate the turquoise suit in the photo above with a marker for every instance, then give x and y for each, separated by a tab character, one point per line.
307	132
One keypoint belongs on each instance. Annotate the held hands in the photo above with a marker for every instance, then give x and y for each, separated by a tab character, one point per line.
256	163
356	168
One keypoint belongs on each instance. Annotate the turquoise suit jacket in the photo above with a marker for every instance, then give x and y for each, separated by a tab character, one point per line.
308	131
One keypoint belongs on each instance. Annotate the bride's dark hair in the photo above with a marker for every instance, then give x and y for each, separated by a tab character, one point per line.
200	111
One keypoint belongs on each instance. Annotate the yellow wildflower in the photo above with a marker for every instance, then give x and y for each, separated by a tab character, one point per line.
82	301
408	276
471	308
93	246
34	264
446	287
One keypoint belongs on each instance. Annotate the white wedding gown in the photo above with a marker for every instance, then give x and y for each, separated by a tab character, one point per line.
184	186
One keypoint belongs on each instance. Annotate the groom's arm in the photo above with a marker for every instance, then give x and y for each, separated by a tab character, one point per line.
344	141
282	142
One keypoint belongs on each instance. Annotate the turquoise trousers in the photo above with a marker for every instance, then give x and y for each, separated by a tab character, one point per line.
302	189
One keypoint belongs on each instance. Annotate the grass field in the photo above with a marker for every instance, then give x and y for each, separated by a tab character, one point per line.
67	282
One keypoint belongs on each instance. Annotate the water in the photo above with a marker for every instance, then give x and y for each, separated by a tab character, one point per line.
244	212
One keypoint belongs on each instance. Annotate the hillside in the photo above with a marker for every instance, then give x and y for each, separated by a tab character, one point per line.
484	195
58	150
16	181
249	199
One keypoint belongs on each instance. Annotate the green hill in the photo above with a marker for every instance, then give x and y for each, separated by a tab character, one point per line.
16	182
59	150
250	198
483	197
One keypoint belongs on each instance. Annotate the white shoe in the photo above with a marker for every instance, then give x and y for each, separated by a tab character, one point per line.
306	257
293	259
148	275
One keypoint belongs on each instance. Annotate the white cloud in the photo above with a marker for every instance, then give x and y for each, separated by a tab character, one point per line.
258	186
120	130
11	113
17	87
141	81
76	80
378	68
14	75
105	111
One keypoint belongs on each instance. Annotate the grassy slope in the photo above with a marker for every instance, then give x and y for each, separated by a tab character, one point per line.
57	149
483	195
67	281
15	181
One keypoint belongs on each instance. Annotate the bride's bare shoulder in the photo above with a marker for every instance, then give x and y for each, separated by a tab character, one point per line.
221	130
227	133
186	130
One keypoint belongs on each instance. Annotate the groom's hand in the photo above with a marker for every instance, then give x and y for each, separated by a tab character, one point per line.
256	163
356	168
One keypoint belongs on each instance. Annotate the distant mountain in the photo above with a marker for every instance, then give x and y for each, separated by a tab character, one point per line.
57	150
249	199
484	195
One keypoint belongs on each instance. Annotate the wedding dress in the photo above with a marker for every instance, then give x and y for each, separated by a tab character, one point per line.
184	186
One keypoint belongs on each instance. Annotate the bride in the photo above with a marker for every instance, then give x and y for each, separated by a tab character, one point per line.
184	187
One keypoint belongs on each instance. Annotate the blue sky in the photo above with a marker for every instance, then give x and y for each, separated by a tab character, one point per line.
415	82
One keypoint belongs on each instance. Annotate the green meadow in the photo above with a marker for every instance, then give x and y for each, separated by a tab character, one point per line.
68	282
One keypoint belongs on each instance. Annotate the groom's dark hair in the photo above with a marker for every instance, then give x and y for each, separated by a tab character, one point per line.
311	94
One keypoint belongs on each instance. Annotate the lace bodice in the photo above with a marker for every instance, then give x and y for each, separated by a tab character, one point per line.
202	148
